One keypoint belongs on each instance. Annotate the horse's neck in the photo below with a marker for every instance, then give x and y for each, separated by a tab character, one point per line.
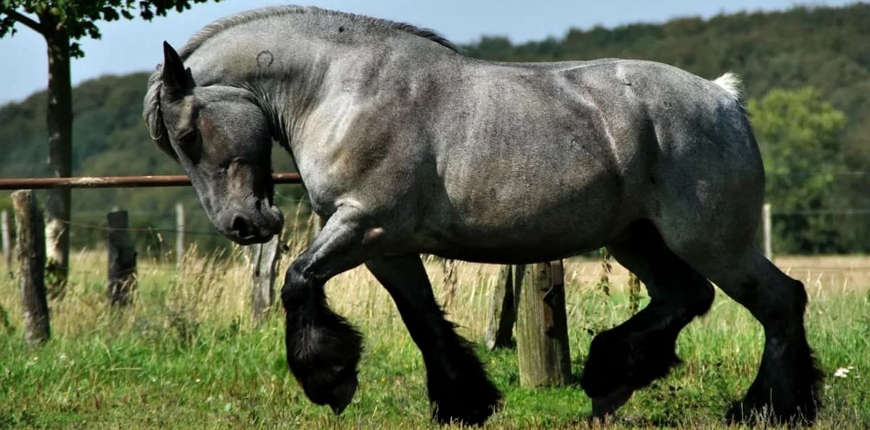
284	74
315	91
308	86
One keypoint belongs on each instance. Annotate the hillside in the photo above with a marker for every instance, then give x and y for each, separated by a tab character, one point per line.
820	47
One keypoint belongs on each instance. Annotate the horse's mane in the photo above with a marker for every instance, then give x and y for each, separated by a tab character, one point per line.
151	112
220	25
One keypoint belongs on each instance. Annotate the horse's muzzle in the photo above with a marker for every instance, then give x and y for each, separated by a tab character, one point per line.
247	229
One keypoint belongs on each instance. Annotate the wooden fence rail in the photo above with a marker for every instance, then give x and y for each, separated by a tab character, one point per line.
119	182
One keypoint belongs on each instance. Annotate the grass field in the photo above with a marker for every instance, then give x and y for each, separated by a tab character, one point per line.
185	355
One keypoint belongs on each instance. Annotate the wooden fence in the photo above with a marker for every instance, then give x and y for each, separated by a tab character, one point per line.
121	270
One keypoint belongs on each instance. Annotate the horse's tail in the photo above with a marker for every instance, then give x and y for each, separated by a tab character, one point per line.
731	83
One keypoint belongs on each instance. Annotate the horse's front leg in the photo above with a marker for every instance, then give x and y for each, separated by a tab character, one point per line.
458	387
322	348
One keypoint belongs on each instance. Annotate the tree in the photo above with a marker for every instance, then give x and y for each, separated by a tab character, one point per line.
799	136
62	23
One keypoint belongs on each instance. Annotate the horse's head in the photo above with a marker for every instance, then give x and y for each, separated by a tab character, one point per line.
222	139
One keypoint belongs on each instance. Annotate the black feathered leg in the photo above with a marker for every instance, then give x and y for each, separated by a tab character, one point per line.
632	355
459	389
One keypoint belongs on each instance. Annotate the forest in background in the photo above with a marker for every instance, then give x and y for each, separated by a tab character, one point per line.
807	79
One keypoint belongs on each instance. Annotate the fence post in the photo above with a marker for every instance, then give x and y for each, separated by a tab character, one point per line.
542	327
448	266
264	262
7	256
502	312
4	320
315	224
768	246
179	233
122	259
4	232
31	267
633	293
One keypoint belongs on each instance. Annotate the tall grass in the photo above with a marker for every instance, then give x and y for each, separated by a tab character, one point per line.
186	355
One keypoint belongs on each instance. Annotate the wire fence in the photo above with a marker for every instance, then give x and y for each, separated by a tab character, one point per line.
157	245
154	231
156	234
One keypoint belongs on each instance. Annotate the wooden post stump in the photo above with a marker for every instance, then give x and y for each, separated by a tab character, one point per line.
450	283
542	327
122	260
179	234
31	267
4	233
264	263
502	313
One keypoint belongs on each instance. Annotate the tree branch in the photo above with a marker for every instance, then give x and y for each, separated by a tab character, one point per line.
24	19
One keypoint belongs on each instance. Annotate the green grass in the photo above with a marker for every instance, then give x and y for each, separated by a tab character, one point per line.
186	356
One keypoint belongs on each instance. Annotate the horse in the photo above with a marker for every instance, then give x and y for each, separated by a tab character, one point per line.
408	147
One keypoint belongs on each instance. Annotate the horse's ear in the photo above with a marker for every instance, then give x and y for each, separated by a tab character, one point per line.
175	80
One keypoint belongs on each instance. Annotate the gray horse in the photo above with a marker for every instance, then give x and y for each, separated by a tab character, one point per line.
408	147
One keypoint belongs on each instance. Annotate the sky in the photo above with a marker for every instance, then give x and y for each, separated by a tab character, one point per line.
130	46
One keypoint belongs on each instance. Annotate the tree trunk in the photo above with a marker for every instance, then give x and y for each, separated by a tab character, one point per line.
542	327
59	122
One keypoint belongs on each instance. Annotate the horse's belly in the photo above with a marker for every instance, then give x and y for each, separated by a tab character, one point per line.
531	249
539	224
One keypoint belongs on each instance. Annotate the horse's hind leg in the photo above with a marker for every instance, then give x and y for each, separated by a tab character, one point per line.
787	384
632	355
458	387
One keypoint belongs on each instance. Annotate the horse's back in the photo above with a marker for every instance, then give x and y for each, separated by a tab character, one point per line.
589	147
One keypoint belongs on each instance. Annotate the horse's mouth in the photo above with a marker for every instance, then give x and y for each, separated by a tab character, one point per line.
251	239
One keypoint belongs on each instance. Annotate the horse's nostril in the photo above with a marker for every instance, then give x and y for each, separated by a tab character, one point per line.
241	226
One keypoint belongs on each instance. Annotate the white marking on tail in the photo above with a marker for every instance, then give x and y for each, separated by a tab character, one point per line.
731	83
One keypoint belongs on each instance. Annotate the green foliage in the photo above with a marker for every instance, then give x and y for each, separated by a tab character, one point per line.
799	136
78	19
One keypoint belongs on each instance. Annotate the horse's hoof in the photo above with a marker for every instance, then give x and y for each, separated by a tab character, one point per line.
328	387
343	393
606	405
475	417
470	405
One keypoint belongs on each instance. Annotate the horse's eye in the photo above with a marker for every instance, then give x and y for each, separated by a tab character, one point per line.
187	140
